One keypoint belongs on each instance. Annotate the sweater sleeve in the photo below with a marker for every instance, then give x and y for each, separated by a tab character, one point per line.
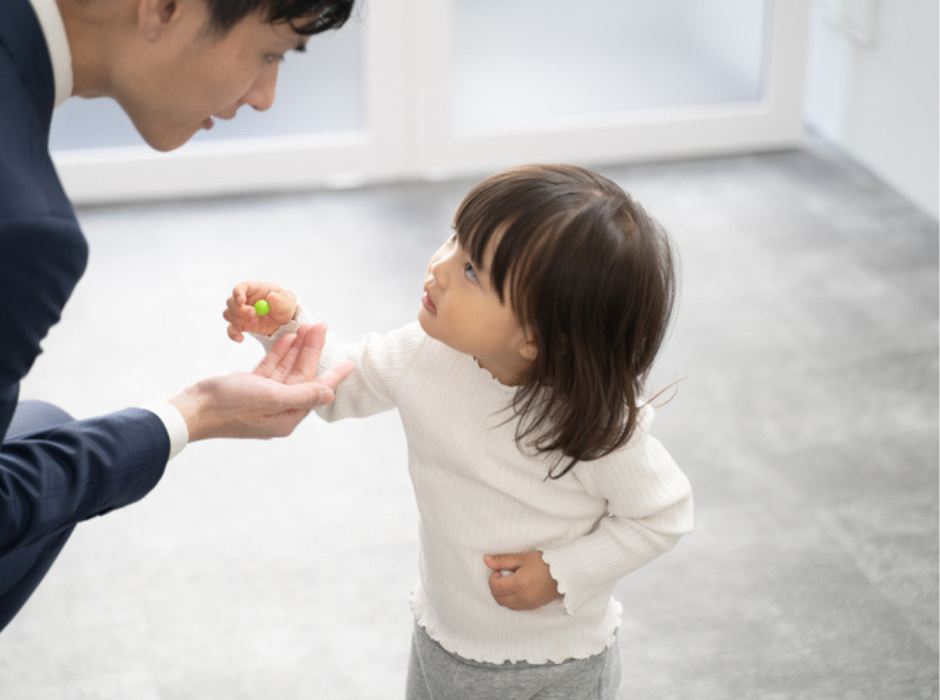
649	507
380	362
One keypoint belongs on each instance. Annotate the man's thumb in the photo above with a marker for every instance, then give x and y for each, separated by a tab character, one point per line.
305	396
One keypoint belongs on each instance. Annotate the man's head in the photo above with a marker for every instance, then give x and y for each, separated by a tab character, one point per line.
307	17
175	66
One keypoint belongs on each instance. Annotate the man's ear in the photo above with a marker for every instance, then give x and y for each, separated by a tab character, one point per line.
530	350
153	16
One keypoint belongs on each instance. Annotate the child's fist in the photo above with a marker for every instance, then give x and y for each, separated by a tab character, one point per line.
242	316
521	581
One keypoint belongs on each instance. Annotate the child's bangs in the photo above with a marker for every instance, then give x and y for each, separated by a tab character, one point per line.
519	221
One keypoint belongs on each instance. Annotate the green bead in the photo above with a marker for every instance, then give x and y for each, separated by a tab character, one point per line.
262	308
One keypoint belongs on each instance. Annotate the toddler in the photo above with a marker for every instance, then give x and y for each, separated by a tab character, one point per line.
520	389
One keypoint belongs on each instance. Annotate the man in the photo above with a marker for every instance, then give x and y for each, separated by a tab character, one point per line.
173	66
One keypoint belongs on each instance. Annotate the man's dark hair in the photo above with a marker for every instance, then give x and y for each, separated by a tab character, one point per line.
306	17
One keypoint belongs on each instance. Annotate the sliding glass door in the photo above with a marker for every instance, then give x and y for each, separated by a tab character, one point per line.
606	80
431	88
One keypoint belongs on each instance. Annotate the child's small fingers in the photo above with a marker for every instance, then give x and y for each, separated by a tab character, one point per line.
240	294
274	304
502	562
234	334
282	308
506	600
241	321
501	586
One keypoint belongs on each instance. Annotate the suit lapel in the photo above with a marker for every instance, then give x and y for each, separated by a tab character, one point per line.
22	37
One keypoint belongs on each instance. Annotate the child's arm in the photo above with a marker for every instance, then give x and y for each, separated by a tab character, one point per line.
649	503
379	360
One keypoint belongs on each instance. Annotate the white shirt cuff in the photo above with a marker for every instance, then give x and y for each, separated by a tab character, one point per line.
173	422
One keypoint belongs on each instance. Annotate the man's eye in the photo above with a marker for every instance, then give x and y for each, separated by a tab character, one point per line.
470	273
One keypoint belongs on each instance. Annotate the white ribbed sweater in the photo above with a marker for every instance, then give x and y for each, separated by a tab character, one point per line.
478	494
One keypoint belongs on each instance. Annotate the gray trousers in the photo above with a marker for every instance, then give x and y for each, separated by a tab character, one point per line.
436	674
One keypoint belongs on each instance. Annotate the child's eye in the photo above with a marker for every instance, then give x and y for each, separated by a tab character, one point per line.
452	239
470	273
275	58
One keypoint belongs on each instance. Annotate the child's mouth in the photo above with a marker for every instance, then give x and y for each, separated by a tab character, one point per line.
428	304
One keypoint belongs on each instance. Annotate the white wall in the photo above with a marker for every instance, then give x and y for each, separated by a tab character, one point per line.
877	99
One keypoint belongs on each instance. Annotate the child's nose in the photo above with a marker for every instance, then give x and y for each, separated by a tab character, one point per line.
437	271
440	268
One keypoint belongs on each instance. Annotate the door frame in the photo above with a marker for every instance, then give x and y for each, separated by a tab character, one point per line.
406	49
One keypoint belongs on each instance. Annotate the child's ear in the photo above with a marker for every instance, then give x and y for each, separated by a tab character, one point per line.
530	350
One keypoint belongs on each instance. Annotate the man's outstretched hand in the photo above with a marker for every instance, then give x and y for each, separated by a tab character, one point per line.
270	401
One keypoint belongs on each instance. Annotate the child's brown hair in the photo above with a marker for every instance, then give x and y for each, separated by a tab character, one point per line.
591	276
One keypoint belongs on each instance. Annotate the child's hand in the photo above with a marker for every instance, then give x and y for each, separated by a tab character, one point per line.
529	586
242	317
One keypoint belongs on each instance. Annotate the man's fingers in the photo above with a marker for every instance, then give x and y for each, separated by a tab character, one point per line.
304	396
334	376
294	363
268	365
286	369
293	360
310	346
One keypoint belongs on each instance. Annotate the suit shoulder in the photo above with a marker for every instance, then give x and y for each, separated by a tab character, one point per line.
28	180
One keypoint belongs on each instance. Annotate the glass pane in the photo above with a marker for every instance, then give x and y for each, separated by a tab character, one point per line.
318	91
526	59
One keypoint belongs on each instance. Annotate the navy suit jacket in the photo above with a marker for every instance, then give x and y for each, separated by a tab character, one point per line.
54	478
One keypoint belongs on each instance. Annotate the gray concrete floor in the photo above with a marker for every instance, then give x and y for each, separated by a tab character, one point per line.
808	425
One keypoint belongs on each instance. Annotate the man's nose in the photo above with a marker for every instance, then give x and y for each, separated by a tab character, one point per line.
260	95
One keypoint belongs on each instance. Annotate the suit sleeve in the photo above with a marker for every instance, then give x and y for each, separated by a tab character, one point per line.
55	478
52	479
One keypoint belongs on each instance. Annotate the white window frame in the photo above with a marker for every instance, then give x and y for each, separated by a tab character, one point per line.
774	122
265	164
407	48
